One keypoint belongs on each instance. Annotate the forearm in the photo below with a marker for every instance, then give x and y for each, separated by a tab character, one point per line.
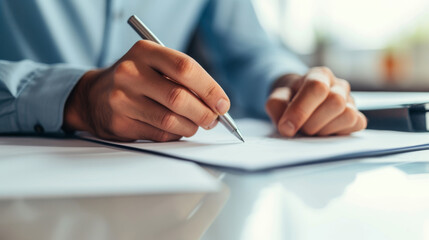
285	80
242	52
256	80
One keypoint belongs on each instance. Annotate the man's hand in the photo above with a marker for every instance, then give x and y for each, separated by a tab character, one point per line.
315	104
150	93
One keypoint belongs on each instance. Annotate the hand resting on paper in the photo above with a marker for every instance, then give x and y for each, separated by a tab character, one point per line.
315	104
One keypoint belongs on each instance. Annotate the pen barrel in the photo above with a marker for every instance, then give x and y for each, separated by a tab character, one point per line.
142	30
227	121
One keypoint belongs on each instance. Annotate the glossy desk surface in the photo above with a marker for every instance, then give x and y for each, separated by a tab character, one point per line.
383	198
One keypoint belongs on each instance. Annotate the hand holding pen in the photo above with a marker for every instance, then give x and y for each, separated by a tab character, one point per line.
151	93
145	33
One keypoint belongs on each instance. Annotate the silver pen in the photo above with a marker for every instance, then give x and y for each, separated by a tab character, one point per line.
146	34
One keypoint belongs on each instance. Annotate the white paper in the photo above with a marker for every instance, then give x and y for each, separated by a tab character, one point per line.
264	149
42	167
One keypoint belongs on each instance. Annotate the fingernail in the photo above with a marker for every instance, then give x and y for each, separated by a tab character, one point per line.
288	128
222	106
212	125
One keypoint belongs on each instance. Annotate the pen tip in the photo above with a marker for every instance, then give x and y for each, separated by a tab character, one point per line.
239	136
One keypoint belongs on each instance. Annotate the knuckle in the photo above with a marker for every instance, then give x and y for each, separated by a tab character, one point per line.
168	121
345	84
162	136
310	131
124	68
117	100
336	101
142	44
365	123
350	116
325	70
191	131
139	44
184	65
115	96
299	114
211	90
176	97
206	119
318	88
362	121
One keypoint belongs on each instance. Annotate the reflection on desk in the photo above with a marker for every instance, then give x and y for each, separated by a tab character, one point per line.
164	217
381	198
369	199
72	189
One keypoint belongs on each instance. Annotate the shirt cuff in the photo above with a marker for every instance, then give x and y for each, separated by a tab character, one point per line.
40	106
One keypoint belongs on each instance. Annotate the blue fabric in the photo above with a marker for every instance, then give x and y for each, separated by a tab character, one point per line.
46	46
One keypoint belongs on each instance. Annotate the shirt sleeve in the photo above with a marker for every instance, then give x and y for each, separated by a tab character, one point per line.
243	54
33	95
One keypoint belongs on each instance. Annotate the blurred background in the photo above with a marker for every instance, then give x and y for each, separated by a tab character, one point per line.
374	44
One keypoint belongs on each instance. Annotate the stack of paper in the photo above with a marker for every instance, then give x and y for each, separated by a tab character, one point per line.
264	149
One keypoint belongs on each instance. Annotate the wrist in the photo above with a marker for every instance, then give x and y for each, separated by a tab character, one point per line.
76	107
287	80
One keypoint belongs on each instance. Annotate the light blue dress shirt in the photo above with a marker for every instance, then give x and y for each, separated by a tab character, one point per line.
46	46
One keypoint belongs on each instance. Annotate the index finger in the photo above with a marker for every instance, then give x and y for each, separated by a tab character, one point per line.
188	73
311	94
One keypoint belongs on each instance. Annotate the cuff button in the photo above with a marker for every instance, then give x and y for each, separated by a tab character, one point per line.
39	129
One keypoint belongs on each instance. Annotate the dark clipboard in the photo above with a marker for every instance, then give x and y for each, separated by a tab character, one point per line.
407	117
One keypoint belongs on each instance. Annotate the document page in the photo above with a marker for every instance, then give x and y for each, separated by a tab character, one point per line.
265	149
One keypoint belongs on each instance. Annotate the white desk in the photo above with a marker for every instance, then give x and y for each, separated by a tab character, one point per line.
385	198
